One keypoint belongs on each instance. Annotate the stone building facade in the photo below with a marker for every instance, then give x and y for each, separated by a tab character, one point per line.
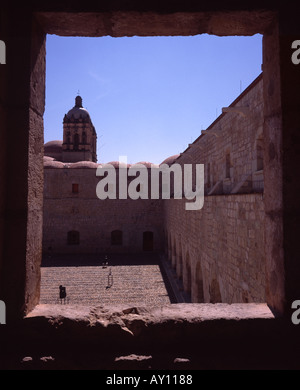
71	207
218	250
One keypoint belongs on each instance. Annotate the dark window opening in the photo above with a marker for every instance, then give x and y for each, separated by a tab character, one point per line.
84	138
76	142
75	188
73	238
117	237
259	155
228	166
208	175
148	242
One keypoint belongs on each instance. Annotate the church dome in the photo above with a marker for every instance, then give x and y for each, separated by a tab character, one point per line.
78	112
170	160
146	164
53	147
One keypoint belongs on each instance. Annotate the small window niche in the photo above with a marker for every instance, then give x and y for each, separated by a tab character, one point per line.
259	154
73	237
116	237
75	188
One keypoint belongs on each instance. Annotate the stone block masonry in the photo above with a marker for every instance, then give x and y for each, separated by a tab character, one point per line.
220	248
218	251
93	218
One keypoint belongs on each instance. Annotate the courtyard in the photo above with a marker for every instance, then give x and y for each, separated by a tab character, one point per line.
137	279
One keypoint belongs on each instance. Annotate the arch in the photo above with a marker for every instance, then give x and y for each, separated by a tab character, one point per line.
198	295
214	291
166	243
187	274
116	237
170	247
179	260
173	259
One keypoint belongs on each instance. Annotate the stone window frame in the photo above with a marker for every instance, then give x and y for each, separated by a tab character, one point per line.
279	76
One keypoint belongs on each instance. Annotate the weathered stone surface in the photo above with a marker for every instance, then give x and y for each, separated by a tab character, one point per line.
133	361
149	23
219	249
128	318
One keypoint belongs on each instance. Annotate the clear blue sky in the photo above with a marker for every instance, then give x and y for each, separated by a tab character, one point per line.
148	97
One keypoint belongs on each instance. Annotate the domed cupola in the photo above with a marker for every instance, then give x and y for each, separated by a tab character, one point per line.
77	113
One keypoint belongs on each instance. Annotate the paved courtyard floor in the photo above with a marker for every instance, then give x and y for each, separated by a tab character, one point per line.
129	279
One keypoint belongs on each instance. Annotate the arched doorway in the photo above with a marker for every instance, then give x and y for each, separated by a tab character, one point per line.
179	261
214	291
187	275
170	248
174	253
199	293
148	241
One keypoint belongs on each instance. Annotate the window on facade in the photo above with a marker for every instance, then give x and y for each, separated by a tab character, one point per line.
84	137
76	142
259	155
75	188
228	165
116	237
208	175
68	140
148	241
73	237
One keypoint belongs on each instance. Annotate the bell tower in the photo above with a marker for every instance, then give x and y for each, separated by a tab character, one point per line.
80	138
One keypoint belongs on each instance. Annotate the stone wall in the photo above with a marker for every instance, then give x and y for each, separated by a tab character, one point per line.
22	148
219	250
93	218
231	148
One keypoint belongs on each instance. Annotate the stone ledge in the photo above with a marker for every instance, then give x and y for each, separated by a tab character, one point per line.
129	328
191	312
192	336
